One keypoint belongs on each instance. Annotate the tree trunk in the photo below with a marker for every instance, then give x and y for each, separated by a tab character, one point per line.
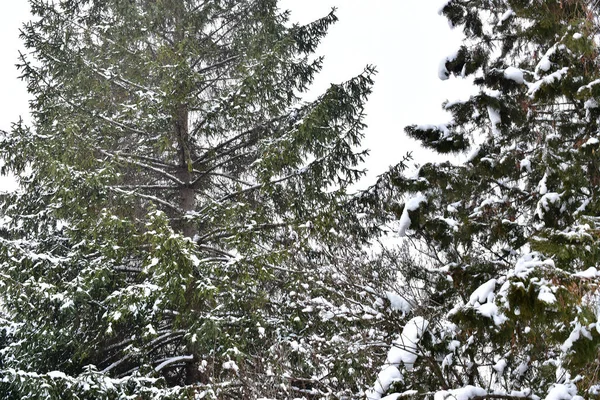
187	198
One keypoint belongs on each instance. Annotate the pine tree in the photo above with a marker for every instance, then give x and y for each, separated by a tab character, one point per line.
505	244
182	226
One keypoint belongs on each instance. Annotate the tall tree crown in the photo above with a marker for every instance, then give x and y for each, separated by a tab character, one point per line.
182	225
507	239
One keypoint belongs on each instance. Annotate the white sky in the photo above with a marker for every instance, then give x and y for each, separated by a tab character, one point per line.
404	39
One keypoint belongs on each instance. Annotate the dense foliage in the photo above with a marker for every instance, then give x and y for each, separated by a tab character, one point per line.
507	238
182	227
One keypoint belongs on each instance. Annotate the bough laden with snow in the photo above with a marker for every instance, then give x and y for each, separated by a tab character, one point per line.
182	224
509	237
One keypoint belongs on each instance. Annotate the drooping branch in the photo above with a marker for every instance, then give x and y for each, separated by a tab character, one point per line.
155	199
128	160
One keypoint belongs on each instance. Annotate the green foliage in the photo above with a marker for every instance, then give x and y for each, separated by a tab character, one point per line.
182	227
509	236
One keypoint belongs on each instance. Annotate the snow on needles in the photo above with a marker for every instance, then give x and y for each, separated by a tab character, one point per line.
553	77
466	393
411	204
482	300
398	303
563	392
575	335
514	74
443	72
528	263
495	119
404	351
543	205
589	273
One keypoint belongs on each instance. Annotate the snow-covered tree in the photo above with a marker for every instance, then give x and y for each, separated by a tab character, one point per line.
506	233
182	226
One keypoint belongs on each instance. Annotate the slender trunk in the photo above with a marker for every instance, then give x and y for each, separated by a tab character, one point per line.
187	197
187	203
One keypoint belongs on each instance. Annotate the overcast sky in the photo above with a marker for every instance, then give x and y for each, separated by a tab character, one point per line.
404	39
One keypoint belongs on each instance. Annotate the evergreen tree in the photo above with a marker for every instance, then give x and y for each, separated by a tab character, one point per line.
505	244
182	226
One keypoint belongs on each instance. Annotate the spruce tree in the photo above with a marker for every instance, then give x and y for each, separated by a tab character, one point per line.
505	244
182	226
